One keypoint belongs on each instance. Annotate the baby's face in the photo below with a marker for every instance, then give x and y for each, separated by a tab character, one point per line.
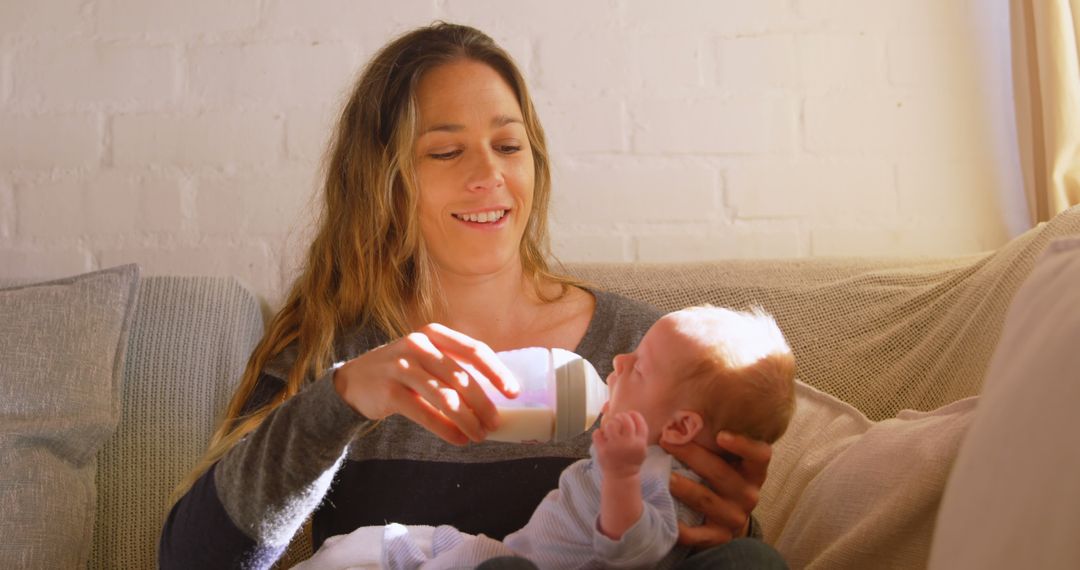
646	379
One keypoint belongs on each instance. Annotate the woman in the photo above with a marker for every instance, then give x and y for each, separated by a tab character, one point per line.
434	211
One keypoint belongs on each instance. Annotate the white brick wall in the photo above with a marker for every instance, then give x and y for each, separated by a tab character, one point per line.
7	211
162	21
211	138
286	73
63	74
49	141
186	136
812	190
33	18
635	190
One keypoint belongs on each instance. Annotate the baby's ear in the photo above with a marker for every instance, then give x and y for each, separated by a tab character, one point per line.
682	428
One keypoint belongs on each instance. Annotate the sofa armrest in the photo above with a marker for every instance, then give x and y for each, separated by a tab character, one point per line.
190	340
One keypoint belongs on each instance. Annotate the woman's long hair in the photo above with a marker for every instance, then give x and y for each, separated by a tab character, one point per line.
367	264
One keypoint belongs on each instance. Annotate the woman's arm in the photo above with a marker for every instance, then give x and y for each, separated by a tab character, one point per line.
729	491
246	508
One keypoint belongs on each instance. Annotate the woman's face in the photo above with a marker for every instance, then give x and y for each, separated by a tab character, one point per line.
474	167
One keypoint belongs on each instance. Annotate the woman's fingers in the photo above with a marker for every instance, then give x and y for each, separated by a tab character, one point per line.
700	498
705	535
755	455
475	353
452	376
418	410
429	376
729	491
448	402
717	474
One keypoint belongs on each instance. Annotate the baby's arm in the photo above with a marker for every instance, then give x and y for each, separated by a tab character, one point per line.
620	450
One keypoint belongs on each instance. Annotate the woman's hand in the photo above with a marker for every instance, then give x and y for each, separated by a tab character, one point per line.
422	376
730	490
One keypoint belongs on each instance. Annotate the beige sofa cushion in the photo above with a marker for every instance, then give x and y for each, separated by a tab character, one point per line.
881	335
1013	500
846	492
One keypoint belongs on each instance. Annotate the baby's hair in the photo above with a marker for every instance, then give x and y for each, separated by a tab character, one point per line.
745	381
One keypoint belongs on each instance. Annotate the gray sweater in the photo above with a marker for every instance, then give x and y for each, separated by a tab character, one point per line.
314	456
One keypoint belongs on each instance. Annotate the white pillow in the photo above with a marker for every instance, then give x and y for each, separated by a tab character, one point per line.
1013	500
846	492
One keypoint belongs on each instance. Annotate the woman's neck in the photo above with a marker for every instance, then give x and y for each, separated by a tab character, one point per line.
493	308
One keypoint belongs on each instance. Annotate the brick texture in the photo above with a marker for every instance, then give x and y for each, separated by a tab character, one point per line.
187	136
49	141
28	19
662	191
743	124
34	263
173	20
211	138
288	73
7	210
89	74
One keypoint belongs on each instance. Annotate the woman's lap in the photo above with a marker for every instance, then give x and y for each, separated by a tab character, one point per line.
746	553
749	553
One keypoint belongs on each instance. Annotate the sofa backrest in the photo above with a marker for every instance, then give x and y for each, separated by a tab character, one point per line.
882	335
189	342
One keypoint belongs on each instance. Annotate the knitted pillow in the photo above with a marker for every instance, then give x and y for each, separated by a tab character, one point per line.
190	340
62	346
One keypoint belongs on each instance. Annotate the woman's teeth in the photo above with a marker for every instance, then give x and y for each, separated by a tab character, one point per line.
482	217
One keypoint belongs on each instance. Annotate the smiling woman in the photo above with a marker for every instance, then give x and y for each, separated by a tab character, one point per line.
475	169
431	253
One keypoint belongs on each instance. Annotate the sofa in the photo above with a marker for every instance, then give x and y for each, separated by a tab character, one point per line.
112	382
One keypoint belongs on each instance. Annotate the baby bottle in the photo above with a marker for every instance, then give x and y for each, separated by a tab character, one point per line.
561	396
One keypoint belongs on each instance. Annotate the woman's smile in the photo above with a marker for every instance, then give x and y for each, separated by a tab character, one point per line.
489	219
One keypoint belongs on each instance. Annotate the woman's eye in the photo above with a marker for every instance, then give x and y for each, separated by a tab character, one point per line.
509	148
445	155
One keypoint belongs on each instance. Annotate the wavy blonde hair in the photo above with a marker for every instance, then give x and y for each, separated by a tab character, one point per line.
367	265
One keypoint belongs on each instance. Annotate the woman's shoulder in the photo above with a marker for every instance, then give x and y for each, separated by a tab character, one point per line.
617	326
620	309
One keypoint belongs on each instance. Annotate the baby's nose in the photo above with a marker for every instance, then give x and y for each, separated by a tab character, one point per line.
611	380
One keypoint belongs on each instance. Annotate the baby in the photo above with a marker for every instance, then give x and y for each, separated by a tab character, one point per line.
696	372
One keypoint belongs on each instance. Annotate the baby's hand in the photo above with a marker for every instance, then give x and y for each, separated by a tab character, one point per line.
620	444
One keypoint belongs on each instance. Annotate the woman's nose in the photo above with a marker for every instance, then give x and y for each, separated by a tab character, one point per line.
485	174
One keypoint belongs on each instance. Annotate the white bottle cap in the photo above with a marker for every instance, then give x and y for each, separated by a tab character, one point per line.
579	394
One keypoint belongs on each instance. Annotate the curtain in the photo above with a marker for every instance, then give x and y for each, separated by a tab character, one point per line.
1046	76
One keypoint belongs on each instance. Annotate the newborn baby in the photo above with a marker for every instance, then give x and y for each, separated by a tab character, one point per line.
696	372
